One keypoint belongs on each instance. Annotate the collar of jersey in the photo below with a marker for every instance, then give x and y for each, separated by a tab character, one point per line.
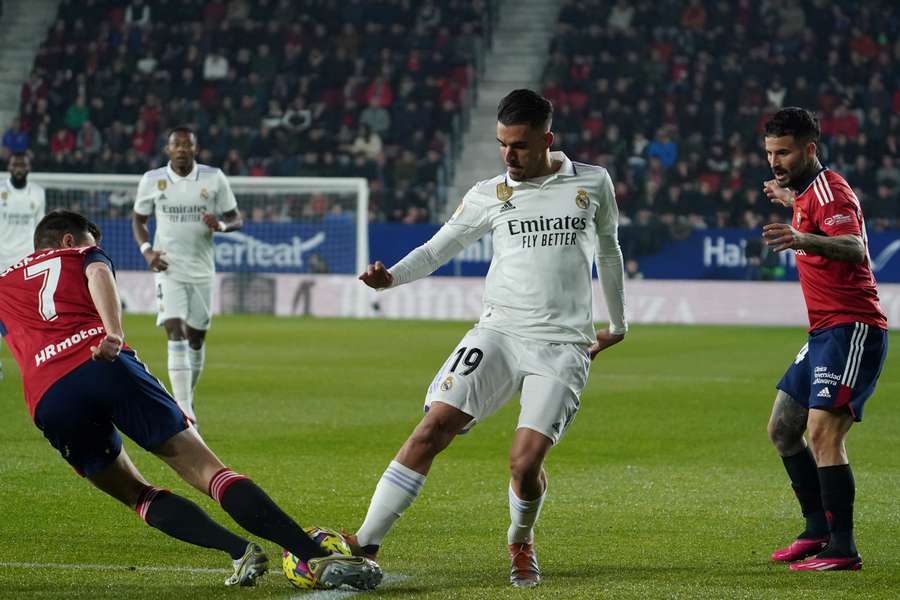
175	177
566	169
9	184
805	188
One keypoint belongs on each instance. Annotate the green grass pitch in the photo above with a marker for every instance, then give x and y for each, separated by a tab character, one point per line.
665	486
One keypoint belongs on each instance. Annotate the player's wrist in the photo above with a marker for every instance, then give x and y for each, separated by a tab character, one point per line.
146	247
222	226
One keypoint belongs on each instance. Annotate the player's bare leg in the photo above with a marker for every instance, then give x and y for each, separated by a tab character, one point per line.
786	427
828	430
253	510
401	483
179	517
527	490
180	366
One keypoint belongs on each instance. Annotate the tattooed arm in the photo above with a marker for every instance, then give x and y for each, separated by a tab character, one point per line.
847	248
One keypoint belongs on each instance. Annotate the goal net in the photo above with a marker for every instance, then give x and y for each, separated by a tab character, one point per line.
296	229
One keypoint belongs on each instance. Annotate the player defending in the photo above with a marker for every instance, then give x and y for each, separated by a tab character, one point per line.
825	389
185	198
61	311
22	205
548	218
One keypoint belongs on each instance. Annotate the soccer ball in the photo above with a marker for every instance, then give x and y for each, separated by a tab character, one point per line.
296	569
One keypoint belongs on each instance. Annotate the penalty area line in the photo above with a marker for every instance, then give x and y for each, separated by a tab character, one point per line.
345	592
90	567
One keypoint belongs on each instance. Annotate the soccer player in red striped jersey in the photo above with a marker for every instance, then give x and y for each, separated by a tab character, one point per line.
61	314
825	388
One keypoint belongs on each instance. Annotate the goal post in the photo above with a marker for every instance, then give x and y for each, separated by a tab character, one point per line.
295	229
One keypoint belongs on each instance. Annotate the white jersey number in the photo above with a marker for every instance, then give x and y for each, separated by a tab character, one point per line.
49	270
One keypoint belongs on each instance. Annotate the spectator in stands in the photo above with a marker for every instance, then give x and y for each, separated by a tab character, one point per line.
376	117
63	142
215	66
367	144
15	139
89	141
77	113
138	13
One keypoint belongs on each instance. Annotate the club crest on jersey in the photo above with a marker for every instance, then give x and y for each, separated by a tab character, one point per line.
581	199
4	196
161	185
504	192
447	384
204	193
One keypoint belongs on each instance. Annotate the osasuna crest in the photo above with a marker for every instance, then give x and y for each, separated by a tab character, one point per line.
582	199
161	185
447	384
504	192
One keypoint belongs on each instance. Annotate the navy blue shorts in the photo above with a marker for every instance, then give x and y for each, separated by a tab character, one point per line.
837	367
81	413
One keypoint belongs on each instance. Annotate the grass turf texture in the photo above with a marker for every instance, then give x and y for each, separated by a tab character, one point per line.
664	487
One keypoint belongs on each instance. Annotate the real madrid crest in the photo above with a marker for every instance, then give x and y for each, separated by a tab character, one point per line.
581	199
204	193
161	185
4	196
447	384
504	192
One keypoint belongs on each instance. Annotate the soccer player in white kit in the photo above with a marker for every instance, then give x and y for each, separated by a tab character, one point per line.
22	206
549	218
185	198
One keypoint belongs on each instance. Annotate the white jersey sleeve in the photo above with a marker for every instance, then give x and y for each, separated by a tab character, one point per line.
610	265
143	201
225	200
467	225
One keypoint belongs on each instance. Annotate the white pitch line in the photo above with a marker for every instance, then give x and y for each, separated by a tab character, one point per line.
343	593
89	567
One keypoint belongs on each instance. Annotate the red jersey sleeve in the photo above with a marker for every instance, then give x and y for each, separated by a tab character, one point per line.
836	207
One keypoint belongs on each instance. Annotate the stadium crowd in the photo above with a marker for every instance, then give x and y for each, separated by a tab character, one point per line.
671	96
273	87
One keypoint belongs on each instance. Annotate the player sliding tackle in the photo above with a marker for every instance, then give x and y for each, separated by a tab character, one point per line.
60	312
549	218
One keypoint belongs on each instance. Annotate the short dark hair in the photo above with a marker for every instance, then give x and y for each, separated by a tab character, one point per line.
181	129
525	107
57	223
795	121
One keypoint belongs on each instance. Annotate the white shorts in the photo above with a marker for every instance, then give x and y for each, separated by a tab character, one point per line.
487	368
190	302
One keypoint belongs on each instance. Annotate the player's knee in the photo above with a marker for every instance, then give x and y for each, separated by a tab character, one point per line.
432	436
785	440
524	467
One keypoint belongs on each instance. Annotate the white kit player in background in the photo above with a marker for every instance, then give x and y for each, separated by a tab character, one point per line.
185	198
549	218
22	206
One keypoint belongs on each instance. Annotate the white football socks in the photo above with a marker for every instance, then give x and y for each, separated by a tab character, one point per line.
396	490
523	514
197	360
180	376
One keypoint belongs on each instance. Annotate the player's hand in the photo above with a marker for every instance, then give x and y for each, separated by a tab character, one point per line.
605	339
108	349
155	260
211	221
783	237
777	194
376	276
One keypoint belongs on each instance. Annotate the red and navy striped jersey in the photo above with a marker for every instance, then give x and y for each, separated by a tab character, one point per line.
836	292
47	316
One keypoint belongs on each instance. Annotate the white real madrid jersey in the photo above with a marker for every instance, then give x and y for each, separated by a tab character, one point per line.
20	212
178	204
545	233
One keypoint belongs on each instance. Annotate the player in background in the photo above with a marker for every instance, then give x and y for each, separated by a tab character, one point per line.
60	309
185	199
825	388
22	205
549	218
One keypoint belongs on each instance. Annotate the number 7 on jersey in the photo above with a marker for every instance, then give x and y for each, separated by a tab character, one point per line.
49	270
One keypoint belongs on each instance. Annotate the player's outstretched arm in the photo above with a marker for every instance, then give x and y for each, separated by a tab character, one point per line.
102	287
777	194
846	248
377	276
154	258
